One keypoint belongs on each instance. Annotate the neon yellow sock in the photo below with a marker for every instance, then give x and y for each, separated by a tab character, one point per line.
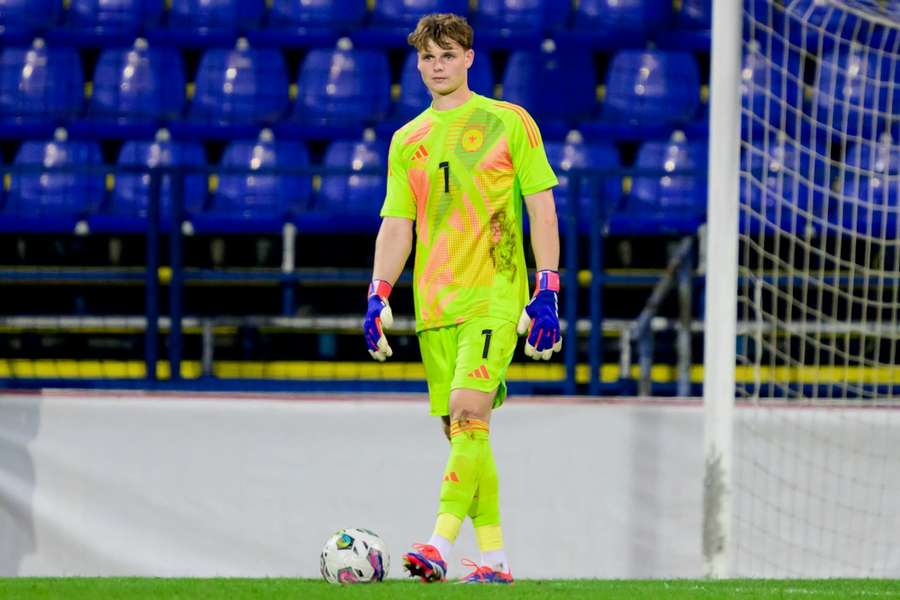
485	509
468	441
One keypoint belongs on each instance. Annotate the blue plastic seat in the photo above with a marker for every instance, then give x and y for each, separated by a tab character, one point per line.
604	187
551	84
114	16
622	20
343	86
131	195
352	195
317	14
870	189
215	16
652	87
405	13
40	83
240	86
73	192
24	17
854	90
695	14
244	195
680	185
771	94
139	84
776	184
521	16
414	95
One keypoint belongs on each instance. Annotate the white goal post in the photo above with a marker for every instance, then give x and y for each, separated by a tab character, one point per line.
802	304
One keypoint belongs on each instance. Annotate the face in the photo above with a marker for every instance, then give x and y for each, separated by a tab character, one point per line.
444	70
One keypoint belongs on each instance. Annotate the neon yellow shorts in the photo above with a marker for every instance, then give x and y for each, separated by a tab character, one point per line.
473	355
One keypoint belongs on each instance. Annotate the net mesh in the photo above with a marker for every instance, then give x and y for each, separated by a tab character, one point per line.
816	468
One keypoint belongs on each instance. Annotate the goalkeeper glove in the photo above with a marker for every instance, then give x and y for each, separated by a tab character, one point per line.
540	318
378	316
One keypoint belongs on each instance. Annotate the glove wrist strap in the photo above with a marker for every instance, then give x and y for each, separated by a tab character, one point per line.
546	280
381	288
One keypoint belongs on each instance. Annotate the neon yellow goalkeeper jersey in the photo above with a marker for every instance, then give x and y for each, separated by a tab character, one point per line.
461	175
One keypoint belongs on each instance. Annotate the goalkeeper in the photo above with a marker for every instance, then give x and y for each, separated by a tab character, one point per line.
459	171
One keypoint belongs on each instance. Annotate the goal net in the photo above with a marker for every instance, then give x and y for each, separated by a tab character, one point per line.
816	427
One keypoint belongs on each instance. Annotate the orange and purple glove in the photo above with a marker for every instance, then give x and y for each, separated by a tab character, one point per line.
378	317
540	318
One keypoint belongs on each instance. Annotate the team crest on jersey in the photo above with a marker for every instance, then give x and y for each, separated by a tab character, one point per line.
472	140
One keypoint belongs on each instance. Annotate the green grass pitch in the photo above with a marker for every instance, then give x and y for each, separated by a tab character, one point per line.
307	589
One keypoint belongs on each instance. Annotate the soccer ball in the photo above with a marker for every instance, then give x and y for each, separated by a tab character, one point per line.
354	556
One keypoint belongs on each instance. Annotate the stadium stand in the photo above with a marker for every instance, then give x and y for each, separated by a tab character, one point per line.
255	116
874	200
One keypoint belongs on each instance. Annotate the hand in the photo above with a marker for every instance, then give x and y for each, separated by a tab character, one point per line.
378	317
540	318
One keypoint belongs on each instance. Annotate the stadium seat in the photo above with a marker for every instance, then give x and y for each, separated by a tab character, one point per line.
770	95
405	13
40	83
870	189
574	153
139	84
521	16
240	86
355	197
244	195
622	20
415	97
21	18
75	191
114	16
681	184
343	86
847	96
317	14
695	14
551	84
215	16
774	185
131	195
652	87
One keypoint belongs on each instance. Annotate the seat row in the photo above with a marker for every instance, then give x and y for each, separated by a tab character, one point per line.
200	17
341	86
260	183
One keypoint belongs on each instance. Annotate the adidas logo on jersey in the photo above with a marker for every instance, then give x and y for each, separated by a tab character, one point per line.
480	373
421	153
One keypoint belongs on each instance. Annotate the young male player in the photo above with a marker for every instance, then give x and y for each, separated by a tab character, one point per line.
459	171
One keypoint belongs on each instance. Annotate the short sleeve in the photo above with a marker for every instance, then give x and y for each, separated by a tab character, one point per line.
529	158
399	200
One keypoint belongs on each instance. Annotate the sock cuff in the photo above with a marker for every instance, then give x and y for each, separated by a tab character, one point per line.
490	538
447	526
479	429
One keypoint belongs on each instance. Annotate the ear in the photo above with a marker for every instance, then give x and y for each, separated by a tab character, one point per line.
470	57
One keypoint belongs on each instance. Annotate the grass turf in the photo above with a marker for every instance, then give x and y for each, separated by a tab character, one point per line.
307	589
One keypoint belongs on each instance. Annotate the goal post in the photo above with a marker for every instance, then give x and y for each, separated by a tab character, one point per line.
802	265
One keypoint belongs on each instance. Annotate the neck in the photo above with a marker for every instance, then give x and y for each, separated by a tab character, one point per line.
455	98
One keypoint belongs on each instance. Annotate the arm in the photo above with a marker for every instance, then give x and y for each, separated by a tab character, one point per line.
544	230
392	248
540	318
